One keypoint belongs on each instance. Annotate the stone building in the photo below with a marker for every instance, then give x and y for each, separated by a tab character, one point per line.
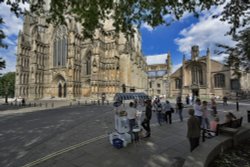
204	77
158	75
57	61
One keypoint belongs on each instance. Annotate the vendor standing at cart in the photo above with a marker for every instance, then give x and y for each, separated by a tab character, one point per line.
131	115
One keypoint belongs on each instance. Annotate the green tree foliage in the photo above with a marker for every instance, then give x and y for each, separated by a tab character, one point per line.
237	13
2	63
7	85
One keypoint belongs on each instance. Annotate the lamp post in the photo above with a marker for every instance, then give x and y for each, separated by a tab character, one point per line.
237	102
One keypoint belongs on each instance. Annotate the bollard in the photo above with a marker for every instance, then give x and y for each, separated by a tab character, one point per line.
107	102
46	105
78	103
29	104
11	104
248	116
52	105
34	104
98	102
85	101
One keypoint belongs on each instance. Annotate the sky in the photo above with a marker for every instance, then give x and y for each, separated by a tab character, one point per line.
176	39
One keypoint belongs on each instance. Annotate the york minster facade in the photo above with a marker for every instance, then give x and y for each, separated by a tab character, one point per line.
57	61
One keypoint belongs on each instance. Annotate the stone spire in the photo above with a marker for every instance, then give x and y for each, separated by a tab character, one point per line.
194	52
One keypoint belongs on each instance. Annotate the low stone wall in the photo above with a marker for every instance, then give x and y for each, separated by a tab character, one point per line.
208	150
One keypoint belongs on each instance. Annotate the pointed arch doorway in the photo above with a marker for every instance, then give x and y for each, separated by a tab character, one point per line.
59	87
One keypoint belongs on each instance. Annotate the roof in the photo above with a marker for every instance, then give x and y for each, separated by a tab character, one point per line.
130	96
156	59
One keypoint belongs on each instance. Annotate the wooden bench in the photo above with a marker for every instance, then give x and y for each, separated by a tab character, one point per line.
230	128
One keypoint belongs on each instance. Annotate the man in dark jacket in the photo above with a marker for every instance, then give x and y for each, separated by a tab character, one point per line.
148	114
193	130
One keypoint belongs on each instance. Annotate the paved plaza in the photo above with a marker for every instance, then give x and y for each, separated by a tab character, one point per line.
72	135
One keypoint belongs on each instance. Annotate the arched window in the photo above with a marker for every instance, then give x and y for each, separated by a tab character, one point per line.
88	64
178	83
60	47
197	76
219	80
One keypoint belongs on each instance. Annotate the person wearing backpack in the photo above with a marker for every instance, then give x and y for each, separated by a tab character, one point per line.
168	109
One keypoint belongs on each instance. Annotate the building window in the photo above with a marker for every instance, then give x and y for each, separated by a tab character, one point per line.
158	92
150	84
235	85
219	80
60	47
197	76
158	85
88	64
178	84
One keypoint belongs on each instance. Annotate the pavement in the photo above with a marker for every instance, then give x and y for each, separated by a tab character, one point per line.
167	146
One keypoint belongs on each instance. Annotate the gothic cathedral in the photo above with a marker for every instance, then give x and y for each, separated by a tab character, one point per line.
57	61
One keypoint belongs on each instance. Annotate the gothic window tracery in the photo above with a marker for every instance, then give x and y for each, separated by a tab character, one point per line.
197	76
178	83
219	80
60	47
88	64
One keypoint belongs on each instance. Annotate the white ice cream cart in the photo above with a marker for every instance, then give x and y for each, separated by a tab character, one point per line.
121	136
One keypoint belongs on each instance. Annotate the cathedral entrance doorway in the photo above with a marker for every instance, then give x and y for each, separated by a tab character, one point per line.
59	87
195	92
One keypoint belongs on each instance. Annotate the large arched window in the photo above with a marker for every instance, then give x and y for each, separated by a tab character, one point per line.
197	76
60	47
178	83
219	80
88	64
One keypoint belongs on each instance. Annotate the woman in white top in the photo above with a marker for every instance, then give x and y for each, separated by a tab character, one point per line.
131	115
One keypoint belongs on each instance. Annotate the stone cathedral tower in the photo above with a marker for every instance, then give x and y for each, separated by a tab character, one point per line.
57	61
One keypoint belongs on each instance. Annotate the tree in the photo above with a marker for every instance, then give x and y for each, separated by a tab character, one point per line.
7	85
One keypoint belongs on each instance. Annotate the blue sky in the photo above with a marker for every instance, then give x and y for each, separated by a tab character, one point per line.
177	38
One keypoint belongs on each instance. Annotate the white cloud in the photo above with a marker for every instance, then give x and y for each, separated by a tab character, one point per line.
156	59
12	25
206	33
147	26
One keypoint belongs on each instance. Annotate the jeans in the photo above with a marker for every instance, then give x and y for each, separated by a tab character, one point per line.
131	124
180	114
146	125
168	117
159	117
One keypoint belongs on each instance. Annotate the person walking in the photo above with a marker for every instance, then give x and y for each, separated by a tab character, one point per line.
158	110
213	107
179	108
146	122
225	101
187	99
193	130
197	110
205	120
167	108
